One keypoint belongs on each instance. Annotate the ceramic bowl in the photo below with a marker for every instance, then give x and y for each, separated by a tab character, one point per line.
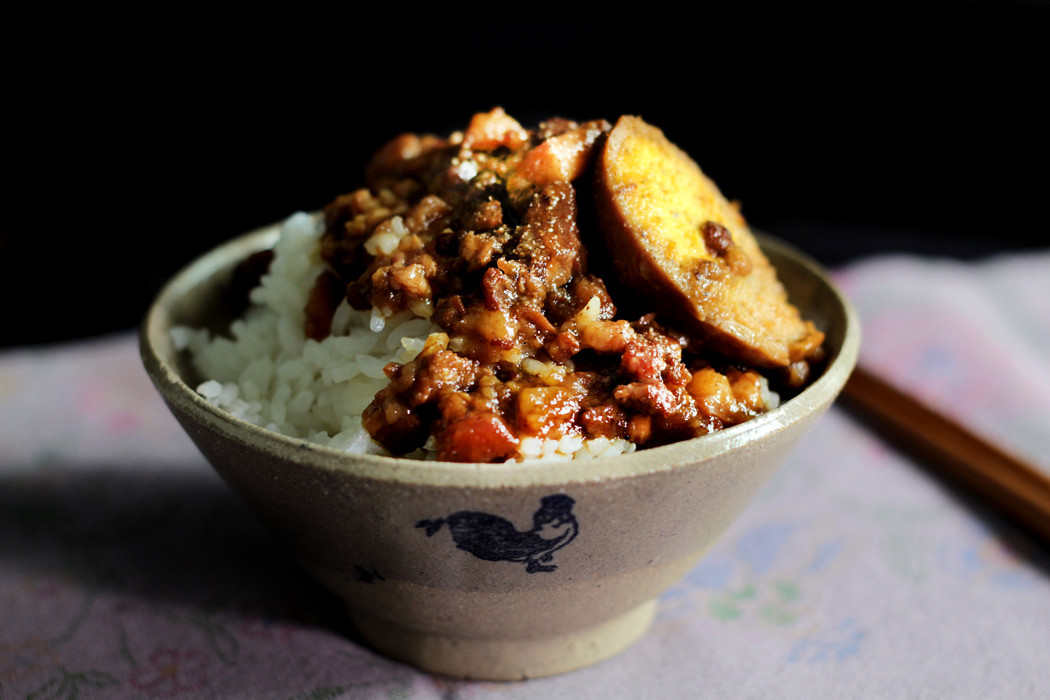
492	571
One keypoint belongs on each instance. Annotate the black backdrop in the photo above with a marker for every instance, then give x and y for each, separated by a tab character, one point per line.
136	142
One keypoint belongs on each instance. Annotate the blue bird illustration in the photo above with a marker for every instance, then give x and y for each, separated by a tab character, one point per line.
493	538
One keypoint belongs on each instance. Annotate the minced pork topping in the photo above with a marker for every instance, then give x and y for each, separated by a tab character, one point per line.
481	233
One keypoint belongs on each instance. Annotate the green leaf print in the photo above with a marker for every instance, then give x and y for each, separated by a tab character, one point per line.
125	649
745	593
787	590
78	618
221	641
98	679
771	603
777	614
724	611
66	686
56	688
905	555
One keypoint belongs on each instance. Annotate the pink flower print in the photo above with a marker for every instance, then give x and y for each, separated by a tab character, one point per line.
108	402
259	627
170	672
123	605
21	660
273	620
44	587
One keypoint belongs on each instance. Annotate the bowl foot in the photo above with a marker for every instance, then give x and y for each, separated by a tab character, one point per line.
505	659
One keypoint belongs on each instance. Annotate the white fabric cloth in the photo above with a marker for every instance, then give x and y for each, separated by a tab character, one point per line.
127	569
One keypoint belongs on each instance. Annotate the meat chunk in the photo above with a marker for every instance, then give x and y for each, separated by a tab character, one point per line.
491	130
403	156
545	410
477	437
401	415
550	240
560	158
477	250
480	233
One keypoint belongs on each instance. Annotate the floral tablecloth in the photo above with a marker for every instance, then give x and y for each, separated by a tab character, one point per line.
128	570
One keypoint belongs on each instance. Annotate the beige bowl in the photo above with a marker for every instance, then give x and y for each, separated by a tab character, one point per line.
494	572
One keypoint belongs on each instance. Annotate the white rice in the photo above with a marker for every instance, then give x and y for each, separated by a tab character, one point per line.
269	374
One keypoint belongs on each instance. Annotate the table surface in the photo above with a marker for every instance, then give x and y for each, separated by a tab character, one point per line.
127	568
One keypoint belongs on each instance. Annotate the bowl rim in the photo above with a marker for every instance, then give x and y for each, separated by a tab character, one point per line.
183	399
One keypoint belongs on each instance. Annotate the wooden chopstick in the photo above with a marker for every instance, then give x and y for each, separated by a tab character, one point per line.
1017	490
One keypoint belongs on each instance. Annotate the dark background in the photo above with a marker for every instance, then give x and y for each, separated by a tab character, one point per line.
136	142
